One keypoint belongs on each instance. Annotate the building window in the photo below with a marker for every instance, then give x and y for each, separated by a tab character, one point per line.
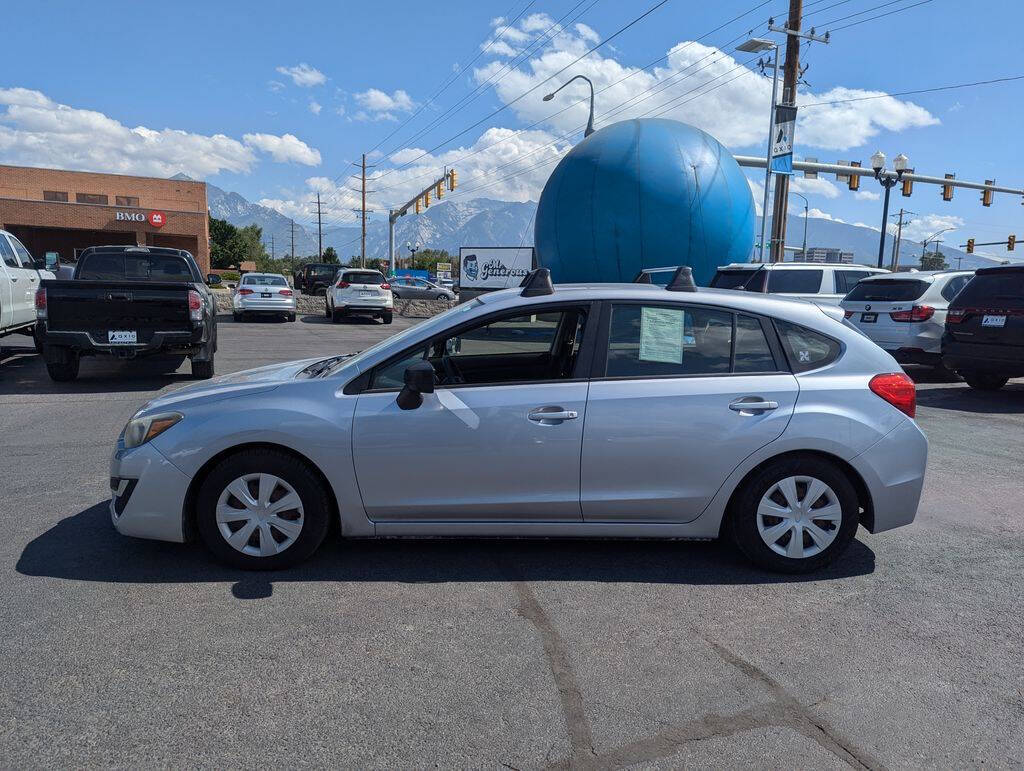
126	200
55	195
90	198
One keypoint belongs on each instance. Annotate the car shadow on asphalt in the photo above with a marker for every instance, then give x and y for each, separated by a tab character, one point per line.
1006	401
361	321
85	547
23	373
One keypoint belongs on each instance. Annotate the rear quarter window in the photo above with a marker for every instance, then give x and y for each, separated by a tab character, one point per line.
953	286
805	348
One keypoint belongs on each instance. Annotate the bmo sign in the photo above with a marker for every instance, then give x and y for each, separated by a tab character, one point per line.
155	218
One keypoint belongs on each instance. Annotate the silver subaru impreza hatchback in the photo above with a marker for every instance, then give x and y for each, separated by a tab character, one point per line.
611	410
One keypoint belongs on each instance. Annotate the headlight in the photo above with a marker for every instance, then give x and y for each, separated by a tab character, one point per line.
141	430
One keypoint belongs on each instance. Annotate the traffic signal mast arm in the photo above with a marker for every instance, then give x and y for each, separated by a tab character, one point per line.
847	171
449	179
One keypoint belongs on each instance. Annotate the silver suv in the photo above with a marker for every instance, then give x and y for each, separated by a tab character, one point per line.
612	410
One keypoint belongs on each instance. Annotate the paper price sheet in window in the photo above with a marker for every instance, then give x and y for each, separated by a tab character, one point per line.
663	335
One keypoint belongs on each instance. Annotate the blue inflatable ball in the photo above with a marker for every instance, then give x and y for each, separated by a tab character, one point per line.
644	193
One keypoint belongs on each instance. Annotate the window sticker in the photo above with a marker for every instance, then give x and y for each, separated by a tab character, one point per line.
661	335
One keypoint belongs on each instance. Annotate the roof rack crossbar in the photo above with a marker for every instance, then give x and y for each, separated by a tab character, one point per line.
536	283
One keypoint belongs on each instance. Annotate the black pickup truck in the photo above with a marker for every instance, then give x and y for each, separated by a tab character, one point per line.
128	301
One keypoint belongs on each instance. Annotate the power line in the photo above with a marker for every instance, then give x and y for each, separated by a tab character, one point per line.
916	91
880	16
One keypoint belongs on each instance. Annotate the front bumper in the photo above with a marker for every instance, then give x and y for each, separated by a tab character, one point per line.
893	470
147	494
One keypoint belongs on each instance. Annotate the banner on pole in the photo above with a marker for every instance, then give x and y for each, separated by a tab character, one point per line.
782	139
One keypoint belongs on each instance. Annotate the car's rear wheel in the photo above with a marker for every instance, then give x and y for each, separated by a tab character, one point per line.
795	514
291	317
202	370
327	308
62	364
262	510
984	381
386	317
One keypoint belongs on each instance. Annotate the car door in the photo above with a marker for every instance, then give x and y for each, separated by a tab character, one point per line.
22	282
6	290
500	437
680	395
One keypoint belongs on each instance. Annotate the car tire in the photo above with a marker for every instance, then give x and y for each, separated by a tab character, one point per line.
335	316
66	370
202	370
291	317
237	316
982	381
292	476
766	540
386	317
37	338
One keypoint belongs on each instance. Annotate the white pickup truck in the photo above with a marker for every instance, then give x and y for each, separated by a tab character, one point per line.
20	277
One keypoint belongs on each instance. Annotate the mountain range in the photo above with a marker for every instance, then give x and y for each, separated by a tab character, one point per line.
485	222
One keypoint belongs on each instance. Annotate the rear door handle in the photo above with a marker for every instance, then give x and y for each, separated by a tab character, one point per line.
551	416
752	404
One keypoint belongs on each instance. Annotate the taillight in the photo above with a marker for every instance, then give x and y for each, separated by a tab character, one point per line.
955	315
285	292
897	389
244	292
195	305
41	303
848	314
917	313
385	286
342	285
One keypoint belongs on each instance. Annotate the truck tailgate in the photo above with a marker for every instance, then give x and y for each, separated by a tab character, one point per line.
99	307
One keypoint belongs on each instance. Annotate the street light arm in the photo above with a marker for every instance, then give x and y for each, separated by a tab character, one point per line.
590	121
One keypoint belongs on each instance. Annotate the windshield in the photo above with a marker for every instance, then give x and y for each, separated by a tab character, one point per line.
106	266
892	290
265	280
439	321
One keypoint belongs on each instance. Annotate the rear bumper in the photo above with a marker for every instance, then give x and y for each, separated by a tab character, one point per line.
264	306
1003	360
84	342
893	470
364	307
915	356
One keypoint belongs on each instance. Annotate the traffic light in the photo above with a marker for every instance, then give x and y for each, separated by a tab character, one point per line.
439	190
970	246
947	190
417	205
452	179
426	200
854	183
908	184
986	195
1011	242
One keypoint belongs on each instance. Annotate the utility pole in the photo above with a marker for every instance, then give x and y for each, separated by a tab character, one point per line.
293	238
319	230
272	253
895	262
362	247
790	75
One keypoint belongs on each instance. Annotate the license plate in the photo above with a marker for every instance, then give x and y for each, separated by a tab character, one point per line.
993	321
869	318
367	293
265	294
122	337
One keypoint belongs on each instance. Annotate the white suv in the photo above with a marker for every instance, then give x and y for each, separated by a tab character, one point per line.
816	281
19	280
359	291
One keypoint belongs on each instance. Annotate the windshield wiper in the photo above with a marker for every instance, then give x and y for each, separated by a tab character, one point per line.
325	367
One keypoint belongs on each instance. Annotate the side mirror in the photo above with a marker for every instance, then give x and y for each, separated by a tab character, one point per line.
213	279
40	264
231	286
419	380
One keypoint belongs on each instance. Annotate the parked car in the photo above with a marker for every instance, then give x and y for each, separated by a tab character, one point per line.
820	282
20	276
905	313
410	288
359	292
616	410
263	294
315	277
984	337
128	302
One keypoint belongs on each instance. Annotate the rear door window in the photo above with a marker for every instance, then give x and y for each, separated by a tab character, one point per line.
993	290
805	349
847	279
652	341
888	290
795	281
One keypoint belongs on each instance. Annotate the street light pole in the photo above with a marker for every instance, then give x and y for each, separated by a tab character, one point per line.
803	252
888	182
753	46
590	121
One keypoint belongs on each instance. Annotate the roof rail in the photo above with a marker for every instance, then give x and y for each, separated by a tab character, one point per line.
536	283
643	277
682	280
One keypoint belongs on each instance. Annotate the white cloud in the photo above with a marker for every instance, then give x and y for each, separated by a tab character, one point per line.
379	105
275	85
926	225
315	107
37	131
340	110
818	214
303	75
287	148
866	195
819	186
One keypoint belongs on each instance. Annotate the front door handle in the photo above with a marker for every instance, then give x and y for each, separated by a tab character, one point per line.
551	416
752	404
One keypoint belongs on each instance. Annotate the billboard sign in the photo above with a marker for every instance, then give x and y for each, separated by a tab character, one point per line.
494	267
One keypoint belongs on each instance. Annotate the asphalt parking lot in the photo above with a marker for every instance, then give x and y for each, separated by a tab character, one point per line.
524	654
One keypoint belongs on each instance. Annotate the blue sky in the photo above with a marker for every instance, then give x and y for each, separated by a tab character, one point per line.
273	100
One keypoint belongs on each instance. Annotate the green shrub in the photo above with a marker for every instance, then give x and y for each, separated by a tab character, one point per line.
229	276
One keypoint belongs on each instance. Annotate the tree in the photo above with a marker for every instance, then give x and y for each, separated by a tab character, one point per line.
223	244
934	261
330	255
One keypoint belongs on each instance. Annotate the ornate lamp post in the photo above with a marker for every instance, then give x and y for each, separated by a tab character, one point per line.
888	180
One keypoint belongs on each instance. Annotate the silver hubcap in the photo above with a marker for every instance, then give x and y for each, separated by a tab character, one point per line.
259	514
799	517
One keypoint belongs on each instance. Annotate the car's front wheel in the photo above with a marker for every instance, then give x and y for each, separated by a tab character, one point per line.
983	381
795	514
262	510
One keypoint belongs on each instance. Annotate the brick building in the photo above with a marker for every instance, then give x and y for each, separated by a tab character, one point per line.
51	210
